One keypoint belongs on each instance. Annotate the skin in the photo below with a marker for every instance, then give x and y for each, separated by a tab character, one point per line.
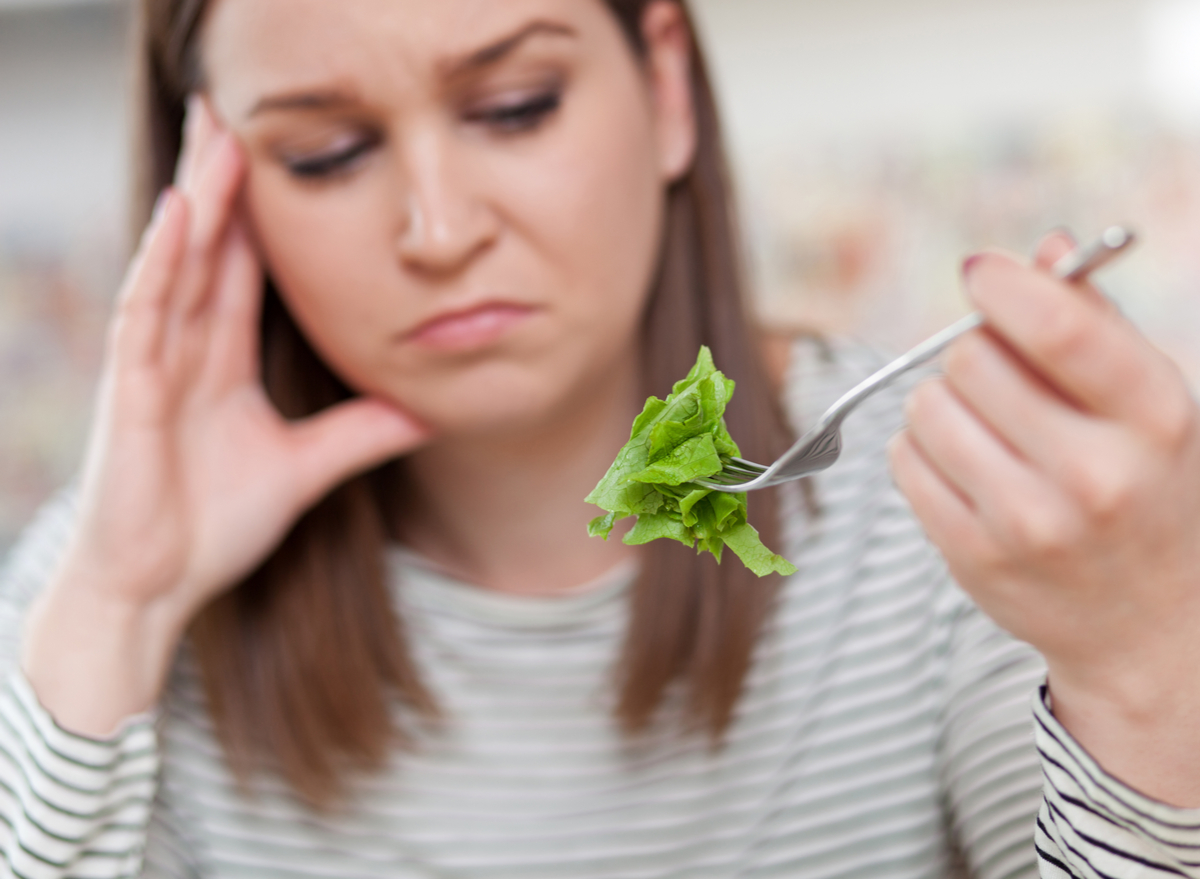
192	478
1053	465
1056	467
445	210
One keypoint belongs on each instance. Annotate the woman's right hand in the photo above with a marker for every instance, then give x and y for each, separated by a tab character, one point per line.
191	476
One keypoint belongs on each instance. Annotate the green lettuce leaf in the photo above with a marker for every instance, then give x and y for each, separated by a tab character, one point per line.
674	442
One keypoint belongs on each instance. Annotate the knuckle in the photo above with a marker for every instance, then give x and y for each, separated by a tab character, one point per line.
925	399
966	367
989	556
129	306
1173	422
958	360
1105	493
1042	531
1061	338
202	247
965	352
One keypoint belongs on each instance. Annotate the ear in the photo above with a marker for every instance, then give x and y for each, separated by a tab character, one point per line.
668	41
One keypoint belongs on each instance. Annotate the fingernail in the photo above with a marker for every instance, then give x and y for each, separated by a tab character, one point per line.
971	263
191	113
160	204
199	118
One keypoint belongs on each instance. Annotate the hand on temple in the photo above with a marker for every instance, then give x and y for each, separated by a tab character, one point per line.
191	477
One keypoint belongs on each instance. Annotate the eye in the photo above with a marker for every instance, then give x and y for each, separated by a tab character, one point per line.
329	163
518	116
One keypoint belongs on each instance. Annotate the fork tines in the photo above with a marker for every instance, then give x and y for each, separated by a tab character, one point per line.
737	470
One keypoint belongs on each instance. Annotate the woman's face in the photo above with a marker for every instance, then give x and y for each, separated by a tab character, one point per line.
460	201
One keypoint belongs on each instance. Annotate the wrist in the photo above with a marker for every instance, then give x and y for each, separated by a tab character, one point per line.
1140	722
95	658
1139	676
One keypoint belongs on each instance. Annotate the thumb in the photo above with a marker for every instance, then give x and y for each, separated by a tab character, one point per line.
1054	247
348	439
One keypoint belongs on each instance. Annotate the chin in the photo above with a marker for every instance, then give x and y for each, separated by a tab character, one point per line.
491	402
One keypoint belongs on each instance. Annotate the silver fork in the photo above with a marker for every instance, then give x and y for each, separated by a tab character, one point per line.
821	446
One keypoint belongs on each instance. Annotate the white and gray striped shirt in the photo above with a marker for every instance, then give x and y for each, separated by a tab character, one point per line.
885	732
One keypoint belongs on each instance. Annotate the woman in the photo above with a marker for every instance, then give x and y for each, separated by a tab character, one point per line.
325	604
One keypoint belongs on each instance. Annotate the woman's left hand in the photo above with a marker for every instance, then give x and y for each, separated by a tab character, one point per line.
1057	467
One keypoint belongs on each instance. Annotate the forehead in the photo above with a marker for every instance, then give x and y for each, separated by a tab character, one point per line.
250	47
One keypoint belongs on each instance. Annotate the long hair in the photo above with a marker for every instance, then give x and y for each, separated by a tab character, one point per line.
305	661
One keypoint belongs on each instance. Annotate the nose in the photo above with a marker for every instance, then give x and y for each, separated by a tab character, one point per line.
446	222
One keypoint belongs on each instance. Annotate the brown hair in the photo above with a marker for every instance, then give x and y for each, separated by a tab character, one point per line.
304	661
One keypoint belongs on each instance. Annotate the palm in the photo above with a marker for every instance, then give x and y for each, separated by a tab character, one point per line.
192	475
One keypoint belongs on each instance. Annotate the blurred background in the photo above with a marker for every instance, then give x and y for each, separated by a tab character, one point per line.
876	142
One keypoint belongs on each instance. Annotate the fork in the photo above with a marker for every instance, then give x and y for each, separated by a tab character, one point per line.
821	446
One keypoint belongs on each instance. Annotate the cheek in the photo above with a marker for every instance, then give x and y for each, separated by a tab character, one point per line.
325	255
593	206
579	214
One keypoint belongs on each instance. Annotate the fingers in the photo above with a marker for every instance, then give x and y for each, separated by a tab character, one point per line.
1005	492
1016	404
199	127
1088	352
237	304
350	438
1053	248
184	252
139	324
946	515
210	172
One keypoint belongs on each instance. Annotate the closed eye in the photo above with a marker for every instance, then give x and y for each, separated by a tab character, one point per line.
519	116
331	163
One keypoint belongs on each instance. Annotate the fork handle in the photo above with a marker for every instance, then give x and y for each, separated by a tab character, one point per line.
1075	266
923	353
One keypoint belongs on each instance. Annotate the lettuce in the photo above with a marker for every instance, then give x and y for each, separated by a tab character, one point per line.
673	442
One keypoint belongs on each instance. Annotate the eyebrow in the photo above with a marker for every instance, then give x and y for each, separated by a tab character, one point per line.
496	52
320	99
323	99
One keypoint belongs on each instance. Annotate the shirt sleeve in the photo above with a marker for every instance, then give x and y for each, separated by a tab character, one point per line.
988	761
1092	826
70	806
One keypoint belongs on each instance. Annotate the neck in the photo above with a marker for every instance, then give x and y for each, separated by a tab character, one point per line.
506	512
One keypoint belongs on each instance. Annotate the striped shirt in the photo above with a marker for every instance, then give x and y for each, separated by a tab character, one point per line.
885	732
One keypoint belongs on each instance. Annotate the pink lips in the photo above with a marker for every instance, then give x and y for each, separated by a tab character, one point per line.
470	329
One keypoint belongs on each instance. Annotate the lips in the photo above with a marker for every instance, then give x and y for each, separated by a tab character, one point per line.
470	328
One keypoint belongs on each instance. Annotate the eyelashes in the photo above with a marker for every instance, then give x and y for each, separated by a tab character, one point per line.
520	115
331	163
510	118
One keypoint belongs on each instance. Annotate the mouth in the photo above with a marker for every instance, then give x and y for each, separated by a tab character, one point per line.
469	329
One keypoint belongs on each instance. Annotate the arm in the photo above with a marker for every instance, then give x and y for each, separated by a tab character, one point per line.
191	477
69	805
1056	467
1092	824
